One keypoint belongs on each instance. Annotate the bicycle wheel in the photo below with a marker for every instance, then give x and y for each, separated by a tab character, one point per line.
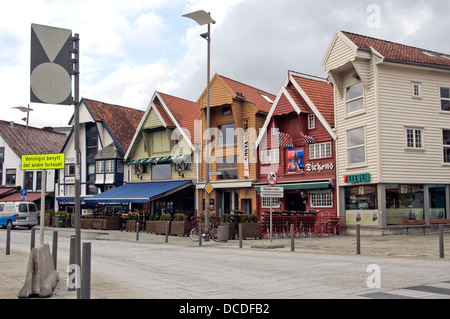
194	234
214	234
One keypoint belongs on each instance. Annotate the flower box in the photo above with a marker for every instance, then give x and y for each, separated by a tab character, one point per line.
97	223
232	229
131	225
110	224
251	230
86	223
180	228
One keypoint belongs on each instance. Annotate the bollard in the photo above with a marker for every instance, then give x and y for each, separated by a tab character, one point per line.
441	241
292	238
8	240
240	235
200	234
33	238
72	259
55	249
86	272
137	231
358	239
167	233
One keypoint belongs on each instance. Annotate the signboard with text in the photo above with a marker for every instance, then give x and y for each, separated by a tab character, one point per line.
43	162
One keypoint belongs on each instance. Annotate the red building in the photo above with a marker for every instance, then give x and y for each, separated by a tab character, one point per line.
297	143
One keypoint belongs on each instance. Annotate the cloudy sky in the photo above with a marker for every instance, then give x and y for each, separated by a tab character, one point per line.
131	48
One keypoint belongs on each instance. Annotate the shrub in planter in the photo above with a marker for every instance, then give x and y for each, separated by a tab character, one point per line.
110	223
87	221
180	225
97	222
227	220
251	228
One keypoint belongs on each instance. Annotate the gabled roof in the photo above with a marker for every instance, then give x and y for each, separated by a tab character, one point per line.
120	121
400	53
258	97
173	112
305	93
40	141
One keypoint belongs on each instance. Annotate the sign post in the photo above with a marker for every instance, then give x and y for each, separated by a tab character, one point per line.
271	193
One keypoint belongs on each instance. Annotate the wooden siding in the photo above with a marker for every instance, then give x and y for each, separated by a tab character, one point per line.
340	54
398	111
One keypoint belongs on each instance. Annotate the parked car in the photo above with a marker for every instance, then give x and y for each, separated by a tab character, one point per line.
7	217
26	213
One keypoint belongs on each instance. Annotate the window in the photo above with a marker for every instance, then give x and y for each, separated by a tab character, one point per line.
322	150
416	90
414	138
228	168
356	146
161	172
28	182
324	199
446	142
270	157
11	177
311	121
160	142
92	146
109	167
355	99
100	167
226	110
70	169
227	135
270	202
445	99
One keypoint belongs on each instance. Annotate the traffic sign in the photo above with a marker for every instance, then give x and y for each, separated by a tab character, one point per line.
209	188
272	192
44	161
272	179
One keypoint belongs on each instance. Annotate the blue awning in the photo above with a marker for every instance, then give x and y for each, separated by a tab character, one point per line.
138	192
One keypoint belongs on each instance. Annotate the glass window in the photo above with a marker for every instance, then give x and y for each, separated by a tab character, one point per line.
446	142
404	202
445	99
267	202
100	167
322	150
361	206
227	135
437	202
228	168
323	199
311	121
28	182
414	138
356	146
11	177
161	172
355	98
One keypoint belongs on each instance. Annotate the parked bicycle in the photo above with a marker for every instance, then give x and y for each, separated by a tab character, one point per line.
211	232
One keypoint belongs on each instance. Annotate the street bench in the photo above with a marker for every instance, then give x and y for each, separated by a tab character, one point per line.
408	224
445	222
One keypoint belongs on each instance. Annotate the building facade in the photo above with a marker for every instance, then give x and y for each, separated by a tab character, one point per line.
297	143
392	113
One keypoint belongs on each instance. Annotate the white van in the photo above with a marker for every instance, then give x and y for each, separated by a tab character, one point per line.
7	218
26	213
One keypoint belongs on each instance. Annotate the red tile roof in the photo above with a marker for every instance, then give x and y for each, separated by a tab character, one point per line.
399	52
121	121
251	94
40	141
321	94
184	111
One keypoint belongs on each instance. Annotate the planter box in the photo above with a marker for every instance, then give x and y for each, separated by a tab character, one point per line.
131	225
86	223
48	221
180	228
150	226
110	224
97	223
232	229
251	230
157	227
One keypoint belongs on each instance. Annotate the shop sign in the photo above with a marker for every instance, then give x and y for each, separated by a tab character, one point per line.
319	167
358	178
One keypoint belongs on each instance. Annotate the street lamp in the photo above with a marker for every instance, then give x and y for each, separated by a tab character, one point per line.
27	120
203	18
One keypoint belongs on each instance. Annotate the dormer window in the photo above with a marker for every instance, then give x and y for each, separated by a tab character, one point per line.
355	98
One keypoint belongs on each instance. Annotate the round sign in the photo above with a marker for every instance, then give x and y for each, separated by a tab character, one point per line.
272	179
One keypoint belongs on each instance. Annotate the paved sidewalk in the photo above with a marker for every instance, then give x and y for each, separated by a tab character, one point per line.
415	247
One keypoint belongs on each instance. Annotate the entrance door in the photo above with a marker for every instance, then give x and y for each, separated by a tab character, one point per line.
294	202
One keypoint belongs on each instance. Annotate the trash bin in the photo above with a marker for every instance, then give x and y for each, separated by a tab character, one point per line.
223	233
59	221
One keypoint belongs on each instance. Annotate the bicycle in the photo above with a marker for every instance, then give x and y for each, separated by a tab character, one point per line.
212	231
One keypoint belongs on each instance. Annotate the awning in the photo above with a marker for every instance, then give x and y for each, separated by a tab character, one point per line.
301	186
17	197
138	192
153	160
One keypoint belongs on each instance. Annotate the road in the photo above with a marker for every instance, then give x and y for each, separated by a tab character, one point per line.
123	268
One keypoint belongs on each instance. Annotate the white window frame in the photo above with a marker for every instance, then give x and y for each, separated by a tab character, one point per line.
414	138
321	199
311	121
416	88
354	147
360	97
445	147
109	166
443	98
100	167
270	156
267	201
321	150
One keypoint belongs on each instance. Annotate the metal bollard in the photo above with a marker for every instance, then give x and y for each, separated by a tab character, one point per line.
358	239
200	234
33	238
8	240
55	249
137	231
86	272
441	241
240	235
72	257
292	238
167	233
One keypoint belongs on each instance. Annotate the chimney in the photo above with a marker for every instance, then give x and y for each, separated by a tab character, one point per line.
11	123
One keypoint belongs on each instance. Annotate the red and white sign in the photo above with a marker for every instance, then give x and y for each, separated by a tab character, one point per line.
272	179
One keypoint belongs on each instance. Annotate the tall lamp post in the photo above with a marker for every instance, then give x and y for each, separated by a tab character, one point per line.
202	18
27	120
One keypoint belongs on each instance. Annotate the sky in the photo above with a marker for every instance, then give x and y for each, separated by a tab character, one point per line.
129	49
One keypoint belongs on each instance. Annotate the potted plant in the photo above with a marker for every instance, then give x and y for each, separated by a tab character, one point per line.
150	224
251	228
87	221
131	222
48	218
97	222
229	221
160	227
110	223
180	225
